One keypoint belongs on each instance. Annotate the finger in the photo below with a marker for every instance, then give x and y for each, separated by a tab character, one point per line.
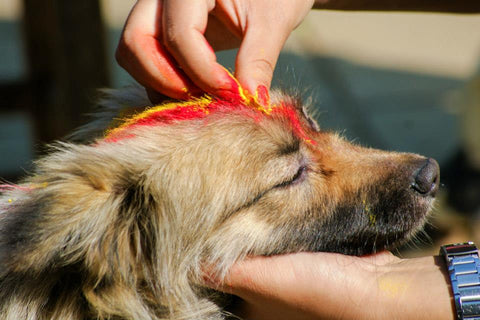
243	275
219	36
239	276
142	55
259	275
258	54
184	25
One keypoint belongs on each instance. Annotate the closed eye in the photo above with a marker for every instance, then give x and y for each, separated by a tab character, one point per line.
298	177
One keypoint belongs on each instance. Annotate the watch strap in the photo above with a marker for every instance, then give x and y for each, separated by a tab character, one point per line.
463	265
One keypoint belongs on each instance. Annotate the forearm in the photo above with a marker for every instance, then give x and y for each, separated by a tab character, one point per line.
453	6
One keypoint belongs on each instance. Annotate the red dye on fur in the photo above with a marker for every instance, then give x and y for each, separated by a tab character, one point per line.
289	113
234	100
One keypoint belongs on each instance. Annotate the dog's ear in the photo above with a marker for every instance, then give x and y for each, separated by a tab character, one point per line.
66	212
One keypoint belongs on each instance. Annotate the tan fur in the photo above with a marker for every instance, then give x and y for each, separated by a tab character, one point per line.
121	230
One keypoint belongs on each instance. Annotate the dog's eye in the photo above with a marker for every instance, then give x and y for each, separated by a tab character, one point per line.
299	176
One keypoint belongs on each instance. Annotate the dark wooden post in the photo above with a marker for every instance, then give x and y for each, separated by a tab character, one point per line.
65	44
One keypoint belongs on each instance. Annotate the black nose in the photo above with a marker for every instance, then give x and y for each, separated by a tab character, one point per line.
427	178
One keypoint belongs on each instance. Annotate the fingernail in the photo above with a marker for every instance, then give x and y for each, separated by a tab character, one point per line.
230	88
262	96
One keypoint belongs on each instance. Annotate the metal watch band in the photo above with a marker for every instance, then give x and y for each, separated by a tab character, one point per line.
463	265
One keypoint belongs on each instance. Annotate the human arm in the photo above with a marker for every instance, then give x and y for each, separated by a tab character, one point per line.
334	286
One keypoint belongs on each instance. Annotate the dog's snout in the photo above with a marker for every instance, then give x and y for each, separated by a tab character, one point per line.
426	179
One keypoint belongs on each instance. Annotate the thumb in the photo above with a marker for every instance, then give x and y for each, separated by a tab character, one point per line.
258	55
255	276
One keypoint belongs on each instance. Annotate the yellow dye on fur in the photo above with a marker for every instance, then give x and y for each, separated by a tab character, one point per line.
259	101
367	210
254	100
39	185
234	99
199	104
309	141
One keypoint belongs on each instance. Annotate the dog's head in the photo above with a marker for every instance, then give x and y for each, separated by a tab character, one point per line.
210	181
250	179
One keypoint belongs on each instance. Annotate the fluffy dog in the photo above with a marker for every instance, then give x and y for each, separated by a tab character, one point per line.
119	228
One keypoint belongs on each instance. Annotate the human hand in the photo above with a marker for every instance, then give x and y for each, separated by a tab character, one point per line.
168	45
335	286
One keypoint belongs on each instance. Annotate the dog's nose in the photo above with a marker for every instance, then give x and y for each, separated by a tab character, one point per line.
427	178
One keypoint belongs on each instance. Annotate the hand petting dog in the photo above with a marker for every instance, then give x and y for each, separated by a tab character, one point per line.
168	46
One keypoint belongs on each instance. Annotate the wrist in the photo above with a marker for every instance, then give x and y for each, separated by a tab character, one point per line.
414	289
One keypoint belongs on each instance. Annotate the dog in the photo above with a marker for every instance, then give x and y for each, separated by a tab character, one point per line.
120	227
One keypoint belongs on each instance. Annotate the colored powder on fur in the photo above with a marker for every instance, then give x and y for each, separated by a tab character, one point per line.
11	187
289	113
8	187
235	99
165	113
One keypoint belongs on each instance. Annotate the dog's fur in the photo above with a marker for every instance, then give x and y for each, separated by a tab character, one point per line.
121	230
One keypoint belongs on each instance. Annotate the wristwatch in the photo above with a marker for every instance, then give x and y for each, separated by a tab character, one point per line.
463	265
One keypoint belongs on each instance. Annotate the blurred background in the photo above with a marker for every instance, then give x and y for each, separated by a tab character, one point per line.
396	81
